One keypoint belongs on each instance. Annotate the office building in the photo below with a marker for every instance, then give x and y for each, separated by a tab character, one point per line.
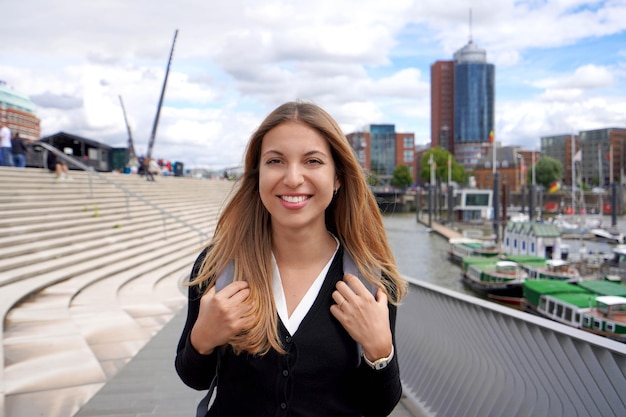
473	104
561	148
603	150
18	112
379	149
442	105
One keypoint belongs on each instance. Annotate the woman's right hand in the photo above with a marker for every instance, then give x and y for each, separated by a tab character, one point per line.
222	316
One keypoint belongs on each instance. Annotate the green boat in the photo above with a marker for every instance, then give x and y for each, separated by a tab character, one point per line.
595	306
542	268
463	247
494	278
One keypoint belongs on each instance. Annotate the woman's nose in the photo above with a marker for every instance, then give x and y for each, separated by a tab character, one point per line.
293	176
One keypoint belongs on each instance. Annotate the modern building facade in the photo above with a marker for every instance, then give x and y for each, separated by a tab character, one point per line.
18	112
562	148
380	149
442	105
603	156
465	88
383	149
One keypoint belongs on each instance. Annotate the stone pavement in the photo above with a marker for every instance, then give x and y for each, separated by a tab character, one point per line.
149	386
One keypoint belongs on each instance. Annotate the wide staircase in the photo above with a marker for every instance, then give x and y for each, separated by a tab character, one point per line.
89	272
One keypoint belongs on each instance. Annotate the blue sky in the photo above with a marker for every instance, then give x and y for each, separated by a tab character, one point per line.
560	66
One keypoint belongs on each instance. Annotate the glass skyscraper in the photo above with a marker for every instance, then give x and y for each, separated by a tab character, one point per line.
472	106
474	91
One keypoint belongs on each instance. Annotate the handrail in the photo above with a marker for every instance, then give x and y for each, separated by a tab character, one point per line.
201	233
462	356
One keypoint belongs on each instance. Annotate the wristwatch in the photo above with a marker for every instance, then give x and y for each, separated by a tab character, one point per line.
381	363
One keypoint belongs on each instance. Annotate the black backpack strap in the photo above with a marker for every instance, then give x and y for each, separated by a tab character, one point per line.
203	405
225	278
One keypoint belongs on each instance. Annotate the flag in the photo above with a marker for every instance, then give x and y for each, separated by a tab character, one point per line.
491	135
608	156
554	187
579	156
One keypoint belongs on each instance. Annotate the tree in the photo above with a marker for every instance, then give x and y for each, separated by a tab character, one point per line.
401	177
440	156
547	170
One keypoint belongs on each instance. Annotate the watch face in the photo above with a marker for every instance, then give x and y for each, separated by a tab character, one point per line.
381	365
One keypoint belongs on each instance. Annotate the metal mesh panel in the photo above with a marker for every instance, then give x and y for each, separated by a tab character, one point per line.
463	356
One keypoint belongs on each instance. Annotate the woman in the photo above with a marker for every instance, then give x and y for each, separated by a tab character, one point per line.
291	334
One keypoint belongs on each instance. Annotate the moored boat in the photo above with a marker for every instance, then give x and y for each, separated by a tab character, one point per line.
463	247
609	235
595	306
542	268
608	318
498	279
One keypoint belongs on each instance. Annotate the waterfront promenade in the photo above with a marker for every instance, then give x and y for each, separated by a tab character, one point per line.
90	291
97	331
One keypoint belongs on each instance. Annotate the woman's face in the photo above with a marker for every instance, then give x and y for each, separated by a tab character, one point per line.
296	175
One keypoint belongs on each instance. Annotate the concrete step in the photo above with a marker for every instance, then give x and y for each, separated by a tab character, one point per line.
58	247
86	292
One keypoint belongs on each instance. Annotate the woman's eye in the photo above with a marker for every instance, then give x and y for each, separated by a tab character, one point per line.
272	161
314	161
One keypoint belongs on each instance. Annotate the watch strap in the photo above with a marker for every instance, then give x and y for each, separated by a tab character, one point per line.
381	363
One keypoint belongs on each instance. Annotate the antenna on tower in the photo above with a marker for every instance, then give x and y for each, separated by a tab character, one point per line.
470	25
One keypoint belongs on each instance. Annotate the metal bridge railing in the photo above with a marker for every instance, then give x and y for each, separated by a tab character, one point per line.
467	357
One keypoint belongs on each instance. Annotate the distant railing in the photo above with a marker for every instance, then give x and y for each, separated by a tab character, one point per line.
467	357
128	193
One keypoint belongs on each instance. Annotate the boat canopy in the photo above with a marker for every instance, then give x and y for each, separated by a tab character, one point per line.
556	262
612	300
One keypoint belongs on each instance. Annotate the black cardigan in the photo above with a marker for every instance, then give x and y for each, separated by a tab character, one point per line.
321	375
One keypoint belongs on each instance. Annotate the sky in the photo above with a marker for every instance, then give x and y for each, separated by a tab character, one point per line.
560	66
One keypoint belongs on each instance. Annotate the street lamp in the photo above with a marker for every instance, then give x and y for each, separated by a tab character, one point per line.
521	170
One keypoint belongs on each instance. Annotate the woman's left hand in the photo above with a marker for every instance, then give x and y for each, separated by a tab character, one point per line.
364	317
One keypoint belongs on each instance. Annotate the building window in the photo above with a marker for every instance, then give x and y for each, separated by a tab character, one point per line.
408	142
408	156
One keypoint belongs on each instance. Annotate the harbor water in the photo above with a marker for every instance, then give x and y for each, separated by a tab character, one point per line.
423	255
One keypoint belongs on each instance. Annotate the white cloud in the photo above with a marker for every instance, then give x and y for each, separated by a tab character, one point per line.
365	61
585	77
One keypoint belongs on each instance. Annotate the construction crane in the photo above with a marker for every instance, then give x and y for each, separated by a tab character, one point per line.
156	119
131	145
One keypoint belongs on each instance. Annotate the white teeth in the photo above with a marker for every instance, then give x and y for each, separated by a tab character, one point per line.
294	199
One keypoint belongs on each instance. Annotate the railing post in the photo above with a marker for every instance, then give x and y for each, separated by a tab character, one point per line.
90	183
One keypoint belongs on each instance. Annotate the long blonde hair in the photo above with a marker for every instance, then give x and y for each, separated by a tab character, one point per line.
243	231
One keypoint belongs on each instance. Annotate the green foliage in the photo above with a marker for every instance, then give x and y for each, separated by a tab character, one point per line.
372	178
401	177
547	170
440	156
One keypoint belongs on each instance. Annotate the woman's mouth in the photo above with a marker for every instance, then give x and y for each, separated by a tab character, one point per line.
294	198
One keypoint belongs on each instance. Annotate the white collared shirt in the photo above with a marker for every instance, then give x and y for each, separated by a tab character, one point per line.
293	322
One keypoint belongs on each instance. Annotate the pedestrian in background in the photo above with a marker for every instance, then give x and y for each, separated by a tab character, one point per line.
19	151
5	145
58	166
292	333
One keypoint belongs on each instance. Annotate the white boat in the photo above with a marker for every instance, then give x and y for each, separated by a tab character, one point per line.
464	247
609	235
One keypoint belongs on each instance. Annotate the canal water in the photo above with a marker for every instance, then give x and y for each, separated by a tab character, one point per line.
423	255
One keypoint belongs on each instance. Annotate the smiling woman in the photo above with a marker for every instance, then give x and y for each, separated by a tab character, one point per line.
290	332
